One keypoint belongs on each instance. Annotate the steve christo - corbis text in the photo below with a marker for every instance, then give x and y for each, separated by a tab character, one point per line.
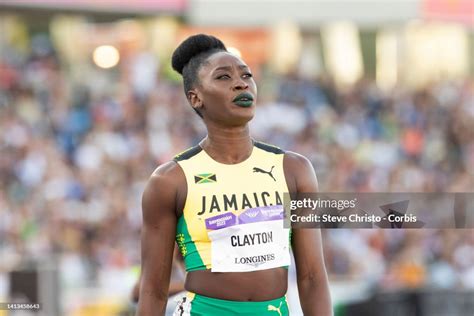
352	218
321	211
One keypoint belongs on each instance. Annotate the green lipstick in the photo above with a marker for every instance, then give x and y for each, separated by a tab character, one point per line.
244	100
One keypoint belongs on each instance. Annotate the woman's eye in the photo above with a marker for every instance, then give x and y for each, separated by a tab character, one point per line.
247	75
223	77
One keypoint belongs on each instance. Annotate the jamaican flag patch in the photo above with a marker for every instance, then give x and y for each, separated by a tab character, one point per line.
205	178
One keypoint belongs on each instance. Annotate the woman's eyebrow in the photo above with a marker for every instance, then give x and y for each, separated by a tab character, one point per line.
230	67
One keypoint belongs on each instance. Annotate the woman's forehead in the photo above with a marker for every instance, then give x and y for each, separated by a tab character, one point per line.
223	59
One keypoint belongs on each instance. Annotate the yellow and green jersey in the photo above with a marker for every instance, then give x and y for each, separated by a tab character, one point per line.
232	219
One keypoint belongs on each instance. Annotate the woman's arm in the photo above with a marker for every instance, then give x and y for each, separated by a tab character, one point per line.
159	205
176	285
311	273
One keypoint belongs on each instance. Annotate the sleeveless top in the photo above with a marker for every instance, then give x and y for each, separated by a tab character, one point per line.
232	219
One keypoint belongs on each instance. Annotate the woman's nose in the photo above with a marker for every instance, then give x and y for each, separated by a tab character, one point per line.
239	84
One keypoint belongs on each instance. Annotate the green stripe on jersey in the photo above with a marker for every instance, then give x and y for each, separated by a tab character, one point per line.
192	258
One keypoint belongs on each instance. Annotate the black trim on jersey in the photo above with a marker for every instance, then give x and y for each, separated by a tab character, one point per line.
269	148
191	152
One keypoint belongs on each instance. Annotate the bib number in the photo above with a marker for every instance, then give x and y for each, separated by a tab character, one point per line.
250	246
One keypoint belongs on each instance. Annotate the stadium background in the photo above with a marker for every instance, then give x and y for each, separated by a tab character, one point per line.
377	94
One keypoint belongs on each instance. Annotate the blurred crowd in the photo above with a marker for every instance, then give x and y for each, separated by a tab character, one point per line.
76	151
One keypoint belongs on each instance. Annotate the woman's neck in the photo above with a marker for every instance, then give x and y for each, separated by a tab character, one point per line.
229	145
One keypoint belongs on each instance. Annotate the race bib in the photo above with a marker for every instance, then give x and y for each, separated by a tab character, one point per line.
254	240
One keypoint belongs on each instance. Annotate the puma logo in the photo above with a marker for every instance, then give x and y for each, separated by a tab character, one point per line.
255	169
275	309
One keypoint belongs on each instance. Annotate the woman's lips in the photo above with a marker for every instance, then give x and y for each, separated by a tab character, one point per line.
243	100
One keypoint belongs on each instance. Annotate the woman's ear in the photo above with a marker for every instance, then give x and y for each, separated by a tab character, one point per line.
194	99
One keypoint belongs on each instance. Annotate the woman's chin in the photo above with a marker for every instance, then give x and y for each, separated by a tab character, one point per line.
239	119
246	115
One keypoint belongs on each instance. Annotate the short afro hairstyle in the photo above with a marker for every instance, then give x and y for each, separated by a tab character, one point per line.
191	54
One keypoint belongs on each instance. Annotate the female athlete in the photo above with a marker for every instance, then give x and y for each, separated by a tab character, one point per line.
221	201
